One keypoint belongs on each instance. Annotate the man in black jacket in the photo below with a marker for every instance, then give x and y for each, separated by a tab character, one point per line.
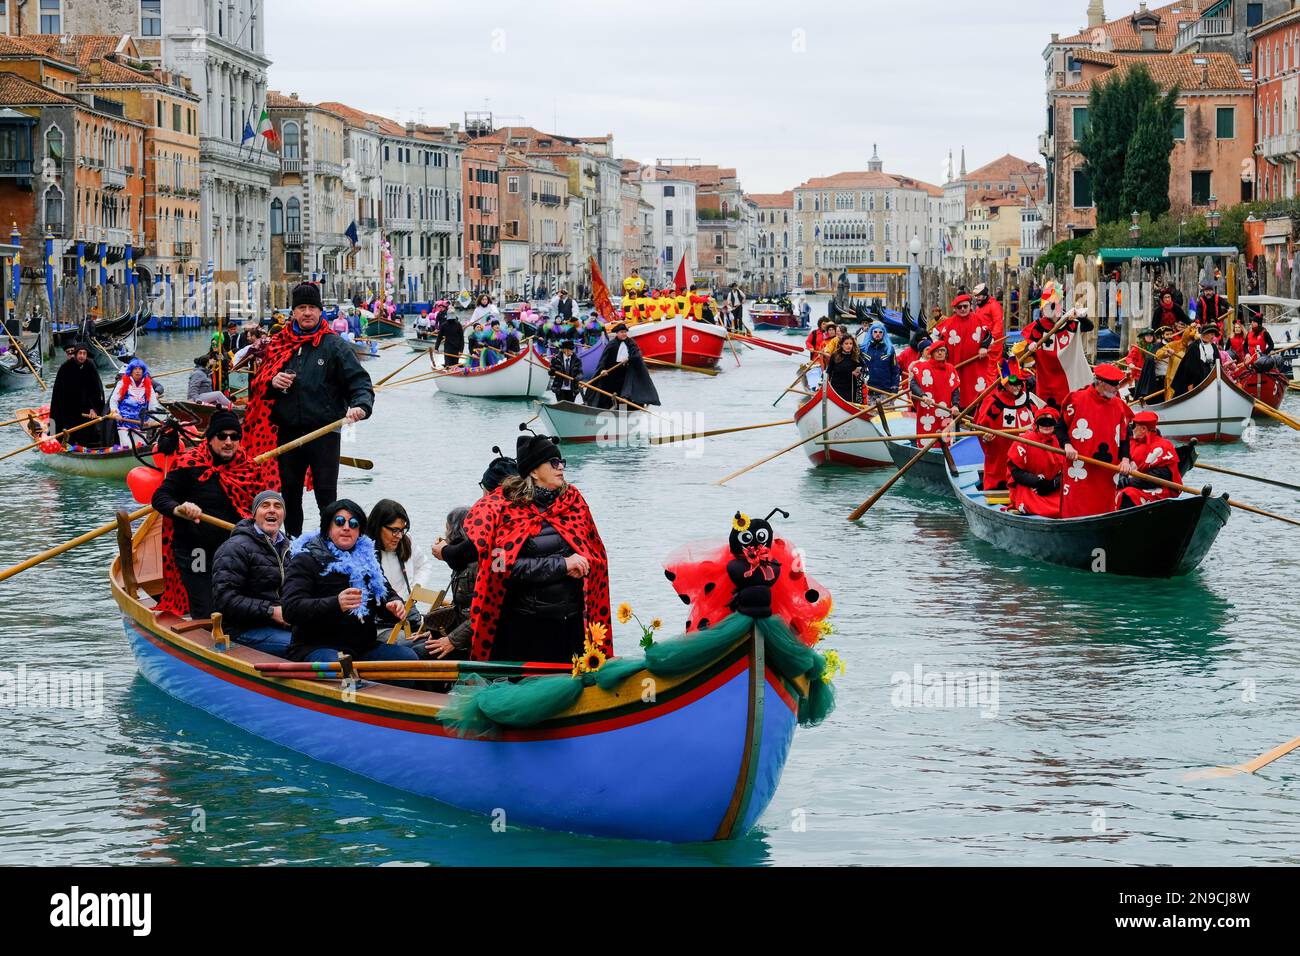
247	575
622	372
564	305
450	339
78	397
566	373
320	381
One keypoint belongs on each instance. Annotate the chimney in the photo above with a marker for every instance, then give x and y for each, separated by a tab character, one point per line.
1096	13
455	127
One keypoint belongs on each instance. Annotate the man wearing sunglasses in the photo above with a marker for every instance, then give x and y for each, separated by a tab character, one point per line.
215	479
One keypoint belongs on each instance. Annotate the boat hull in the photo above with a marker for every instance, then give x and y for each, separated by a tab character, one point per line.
376	329
1266	387
930	474
1163	539
679	340
579	424
814	415
524	375
110	465
1216	410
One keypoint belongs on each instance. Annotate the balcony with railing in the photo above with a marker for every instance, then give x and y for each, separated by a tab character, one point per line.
111	178
293	166
293	238
1284	144
324	167
15	167
1201	29
183	250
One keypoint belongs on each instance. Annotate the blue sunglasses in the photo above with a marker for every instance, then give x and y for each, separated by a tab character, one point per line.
340	521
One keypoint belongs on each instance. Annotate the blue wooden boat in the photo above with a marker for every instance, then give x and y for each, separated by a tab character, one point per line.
699	761
931	472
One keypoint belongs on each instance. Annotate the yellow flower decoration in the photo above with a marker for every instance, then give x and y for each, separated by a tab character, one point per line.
740	522
592	658
834	666
597	634
823	628
656	624
579	666
624	613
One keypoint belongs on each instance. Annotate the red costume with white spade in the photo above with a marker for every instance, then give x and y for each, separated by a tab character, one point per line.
1096	427
1040	465
965	335
1152	454
933	384
1003	411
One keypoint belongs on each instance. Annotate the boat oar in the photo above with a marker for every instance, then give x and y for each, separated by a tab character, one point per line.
399	368
1250	766
23	354
1241	474
779	348
66	431
763	461
365	464
1161	482
797	379
880	492
684	368
922	437
668	439
601	391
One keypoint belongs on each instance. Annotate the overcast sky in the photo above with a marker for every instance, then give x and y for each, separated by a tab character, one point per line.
780	95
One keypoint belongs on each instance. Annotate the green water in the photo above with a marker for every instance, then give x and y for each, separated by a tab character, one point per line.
1109	690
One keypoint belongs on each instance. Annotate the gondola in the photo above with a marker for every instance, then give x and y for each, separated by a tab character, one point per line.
699	760
1216	410
14	372
826	408
931	472
108	462
522	375
1163	539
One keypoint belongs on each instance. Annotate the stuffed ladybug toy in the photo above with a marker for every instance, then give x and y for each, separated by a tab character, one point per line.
752	569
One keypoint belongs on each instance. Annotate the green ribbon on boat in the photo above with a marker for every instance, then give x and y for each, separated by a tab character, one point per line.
482	709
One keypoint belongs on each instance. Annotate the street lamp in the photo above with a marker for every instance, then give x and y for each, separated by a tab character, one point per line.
1134	230
1212	218
914	278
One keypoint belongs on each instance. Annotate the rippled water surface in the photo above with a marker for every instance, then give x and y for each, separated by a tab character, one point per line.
1108	690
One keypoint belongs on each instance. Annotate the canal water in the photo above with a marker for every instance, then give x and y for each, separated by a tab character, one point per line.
1096	695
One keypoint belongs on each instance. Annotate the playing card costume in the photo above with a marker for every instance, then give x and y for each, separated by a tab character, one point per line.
1097	428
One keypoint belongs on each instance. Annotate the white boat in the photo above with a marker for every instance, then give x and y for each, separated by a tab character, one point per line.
1281	317
679	340
574	423
113	461
523	375
1217	410
826	409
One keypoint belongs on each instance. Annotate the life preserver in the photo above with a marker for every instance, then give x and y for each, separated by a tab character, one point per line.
463	299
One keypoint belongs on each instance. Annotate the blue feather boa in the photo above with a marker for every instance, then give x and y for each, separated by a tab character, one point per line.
361	565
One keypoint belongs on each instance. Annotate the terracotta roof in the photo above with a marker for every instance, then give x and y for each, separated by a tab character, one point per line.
28	47
1006	168
1188	71
1124	33
480	152
536	141
701	175
277	100
783	200
870	180
17	91
360	118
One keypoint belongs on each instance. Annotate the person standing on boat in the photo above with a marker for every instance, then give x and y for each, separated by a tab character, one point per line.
1058	353
1034	474
248	575
1211	308
484	309
335	592
735	302
1153	455
1258	341
311	378
566	363
1008	407
989	311
77	397
970	341
450	339
543	576
1236	343
1198	361
404	564
881	363
622	372
218	479
563	305
132	400
1145	371
936	390
1094	423
845	370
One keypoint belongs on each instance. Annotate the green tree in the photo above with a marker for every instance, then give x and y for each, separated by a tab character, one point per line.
1146	164
1062	255
1115	108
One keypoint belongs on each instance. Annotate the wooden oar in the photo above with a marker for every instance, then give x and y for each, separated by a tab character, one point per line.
1250	766
779	348
66	431
1161	482
763	461
384	380
684	368
385	348
920	437
617	398
23	354
365	464
20	420
668	439
880	492
1200	463
797	379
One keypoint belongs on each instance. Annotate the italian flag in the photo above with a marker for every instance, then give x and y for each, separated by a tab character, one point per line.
264	128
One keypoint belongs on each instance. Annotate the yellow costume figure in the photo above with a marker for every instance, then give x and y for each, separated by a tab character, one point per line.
1173	353
633	286
683	302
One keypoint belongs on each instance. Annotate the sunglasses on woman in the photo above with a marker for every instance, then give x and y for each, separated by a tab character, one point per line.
556	462
340	522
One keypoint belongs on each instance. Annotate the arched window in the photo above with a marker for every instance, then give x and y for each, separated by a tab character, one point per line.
54	210
54	144
292	140
293	216
277	217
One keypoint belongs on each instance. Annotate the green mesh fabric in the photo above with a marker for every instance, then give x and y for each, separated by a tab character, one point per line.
482	709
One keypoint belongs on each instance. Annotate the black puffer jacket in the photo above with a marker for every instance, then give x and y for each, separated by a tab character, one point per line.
247	577
462	596
310	601
330	381
539	585
182	485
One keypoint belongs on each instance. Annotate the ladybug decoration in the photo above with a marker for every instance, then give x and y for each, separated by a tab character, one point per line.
752	569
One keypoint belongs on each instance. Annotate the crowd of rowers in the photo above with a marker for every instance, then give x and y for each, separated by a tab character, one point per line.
308	593
961	363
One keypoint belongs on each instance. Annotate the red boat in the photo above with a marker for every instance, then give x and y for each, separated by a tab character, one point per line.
679	340
1267	387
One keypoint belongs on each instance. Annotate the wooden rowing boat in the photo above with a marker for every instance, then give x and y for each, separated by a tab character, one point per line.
1163	539
1216	410
770	317
698	760
680	340
575	423
109	462
515	376
931	472
824	409
1268	387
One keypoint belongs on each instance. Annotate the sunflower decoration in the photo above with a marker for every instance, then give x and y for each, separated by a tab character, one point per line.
624	613
834	666
592	657
740	522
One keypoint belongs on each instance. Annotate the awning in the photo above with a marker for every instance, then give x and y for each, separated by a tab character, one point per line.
1183	251
1129	254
